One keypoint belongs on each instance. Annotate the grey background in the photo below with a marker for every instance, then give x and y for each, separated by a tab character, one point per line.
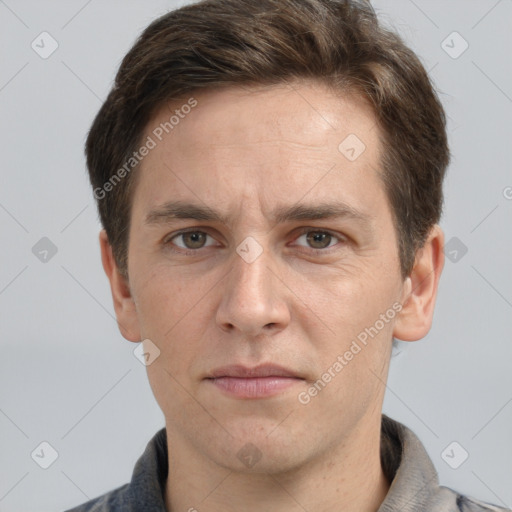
68	377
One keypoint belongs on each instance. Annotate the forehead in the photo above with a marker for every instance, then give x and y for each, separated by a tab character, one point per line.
302	112
279	142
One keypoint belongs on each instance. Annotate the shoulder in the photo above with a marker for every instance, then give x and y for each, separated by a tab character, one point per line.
146	488
469	504
448	500
113	501
414	479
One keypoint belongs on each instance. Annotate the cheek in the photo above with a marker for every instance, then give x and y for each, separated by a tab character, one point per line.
358	314
164	301
175	313
352	301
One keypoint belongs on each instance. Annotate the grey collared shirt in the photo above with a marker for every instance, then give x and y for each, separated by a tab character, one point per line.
414	482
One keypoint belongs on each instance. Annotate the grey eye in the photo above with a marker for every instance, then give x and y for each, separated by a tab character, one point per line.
319	239
191	240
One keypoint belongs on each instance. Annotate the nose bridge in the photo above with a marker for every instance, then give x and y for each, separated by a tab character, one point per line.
251	271
251	300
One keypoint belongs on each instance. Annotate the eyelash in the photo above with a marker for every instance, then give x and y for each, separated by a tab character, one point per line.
303	231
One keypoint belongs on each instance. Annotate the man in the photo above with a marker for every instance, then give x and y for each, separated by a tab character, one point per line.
269	179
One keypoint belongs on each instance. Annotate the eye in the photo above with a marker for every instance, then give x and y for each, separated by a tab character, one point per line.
193	240
319	239
190	240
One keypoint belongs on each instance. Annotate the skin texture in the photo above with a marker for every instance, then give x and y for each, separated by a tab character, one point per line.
244	152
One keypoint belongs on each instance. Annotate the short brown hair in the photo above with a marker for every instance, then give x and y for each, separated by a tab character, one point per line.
218	43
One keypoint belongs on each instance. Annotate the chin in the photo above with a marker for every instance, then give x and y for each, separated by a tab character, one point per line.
260	448
250	459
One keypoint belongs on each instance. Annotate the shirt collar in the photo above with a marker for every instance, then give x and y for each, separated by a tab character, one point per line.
408	467
404	460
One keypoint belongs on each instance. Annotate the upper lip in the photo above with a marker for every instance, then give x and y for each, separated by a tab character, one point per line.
262	370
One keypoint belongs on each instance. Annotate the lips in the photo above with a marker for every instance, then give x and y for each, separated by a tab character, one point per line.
257	382
263	370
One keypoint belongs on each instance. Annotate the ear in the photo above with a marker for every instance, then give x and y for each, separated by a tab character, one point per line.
124	304
420	289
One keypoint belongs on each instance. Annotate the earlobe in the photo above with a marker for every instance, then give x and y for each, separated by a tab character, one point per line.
124	304
420	289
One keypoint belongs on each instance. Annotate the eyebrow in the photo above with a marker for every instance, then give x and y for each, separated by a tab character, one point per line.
171	210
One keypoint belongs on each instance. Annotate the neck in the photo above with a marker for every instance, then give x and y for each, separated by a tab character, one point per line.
349	478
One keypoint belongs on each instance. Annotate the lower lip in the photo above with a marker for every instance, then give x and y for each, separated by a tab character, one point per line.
254	387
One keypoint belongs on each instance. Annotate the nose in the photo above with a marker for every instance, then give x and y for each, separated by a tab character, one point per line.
253	298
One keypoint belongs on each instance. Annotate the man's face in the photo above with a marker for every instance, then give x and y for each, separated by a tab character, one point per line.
267	283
